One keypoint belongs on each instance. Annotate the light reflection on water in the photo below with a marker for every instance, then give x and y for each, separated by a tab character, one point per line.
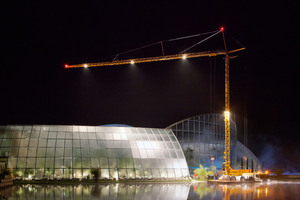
157	191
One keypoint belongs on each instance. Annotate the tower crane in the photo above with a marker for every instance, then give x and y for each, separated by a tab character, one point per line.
184	55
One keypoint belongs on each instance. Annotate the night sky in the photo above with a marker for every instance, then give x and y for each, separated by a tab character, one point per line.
41	36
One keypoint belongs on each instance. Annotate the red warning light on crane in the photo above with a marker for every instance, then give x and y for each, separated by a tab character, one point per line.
66	66
222	28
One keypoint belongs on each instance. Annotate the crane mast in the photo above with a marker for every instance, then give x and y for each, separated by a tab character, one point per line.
227	111
227	118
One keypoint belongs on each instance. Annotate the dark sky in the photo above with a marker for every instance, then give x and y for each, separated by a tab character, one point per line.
41	36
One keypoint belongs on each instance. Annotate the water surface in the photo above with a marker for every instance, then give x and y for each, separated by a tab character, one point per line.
156	191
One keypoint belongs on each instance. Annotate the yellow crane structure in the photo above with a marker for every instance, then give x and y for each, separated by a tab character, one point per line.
227	167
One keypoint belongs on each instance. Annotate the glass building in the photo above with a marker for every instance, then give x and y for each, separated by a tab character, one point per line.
202	137
41	151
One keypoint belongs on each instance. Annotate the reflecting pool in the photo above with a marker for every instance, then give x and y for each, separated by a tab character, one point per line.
156	191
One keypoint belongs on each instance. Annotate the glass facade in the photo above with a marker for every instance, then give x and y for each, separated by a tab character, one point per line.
37	152
202	137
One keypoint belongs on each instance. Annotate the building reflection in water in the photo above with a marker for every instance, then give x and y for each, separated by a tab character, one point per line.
101	191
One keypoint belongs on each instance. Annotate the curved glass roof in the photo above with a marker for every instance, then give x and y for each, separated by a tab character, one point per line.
72	151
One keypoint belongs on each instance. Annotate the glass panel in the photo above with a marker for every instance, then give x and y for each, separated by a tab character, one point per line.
155	173
85	153
68	152
61	135
124	137
22	152
122	174
59	163
178	173
108	136
103	163
125	144
100	136
158	154
76	152
50	152
171	173
68	163
137	163
24	142
146	163
75	135
165	153
77	173
84	143
68	143
12	162
169	163
21	163
131	174
51	143
139	173
112	162
147	173
68	135
49	163
129	163
111	153
163	173
104	174
117	136
60	143
175	163
169	145
158	137
52	135
59	152
135	153
86	163
76	162
42	143
15	142
33	143
95	163
94	152
103	153
40	162
93	143
41	152
91	129
173	154
102	144
143	154
76	143
30	162
133	144
82	129
160	163
14	151
121	163
31	152
150	154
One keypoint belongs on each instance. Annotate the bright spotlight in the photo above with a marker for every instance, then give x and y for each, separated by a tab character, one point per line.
132	62
85	65
227	115
184	57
